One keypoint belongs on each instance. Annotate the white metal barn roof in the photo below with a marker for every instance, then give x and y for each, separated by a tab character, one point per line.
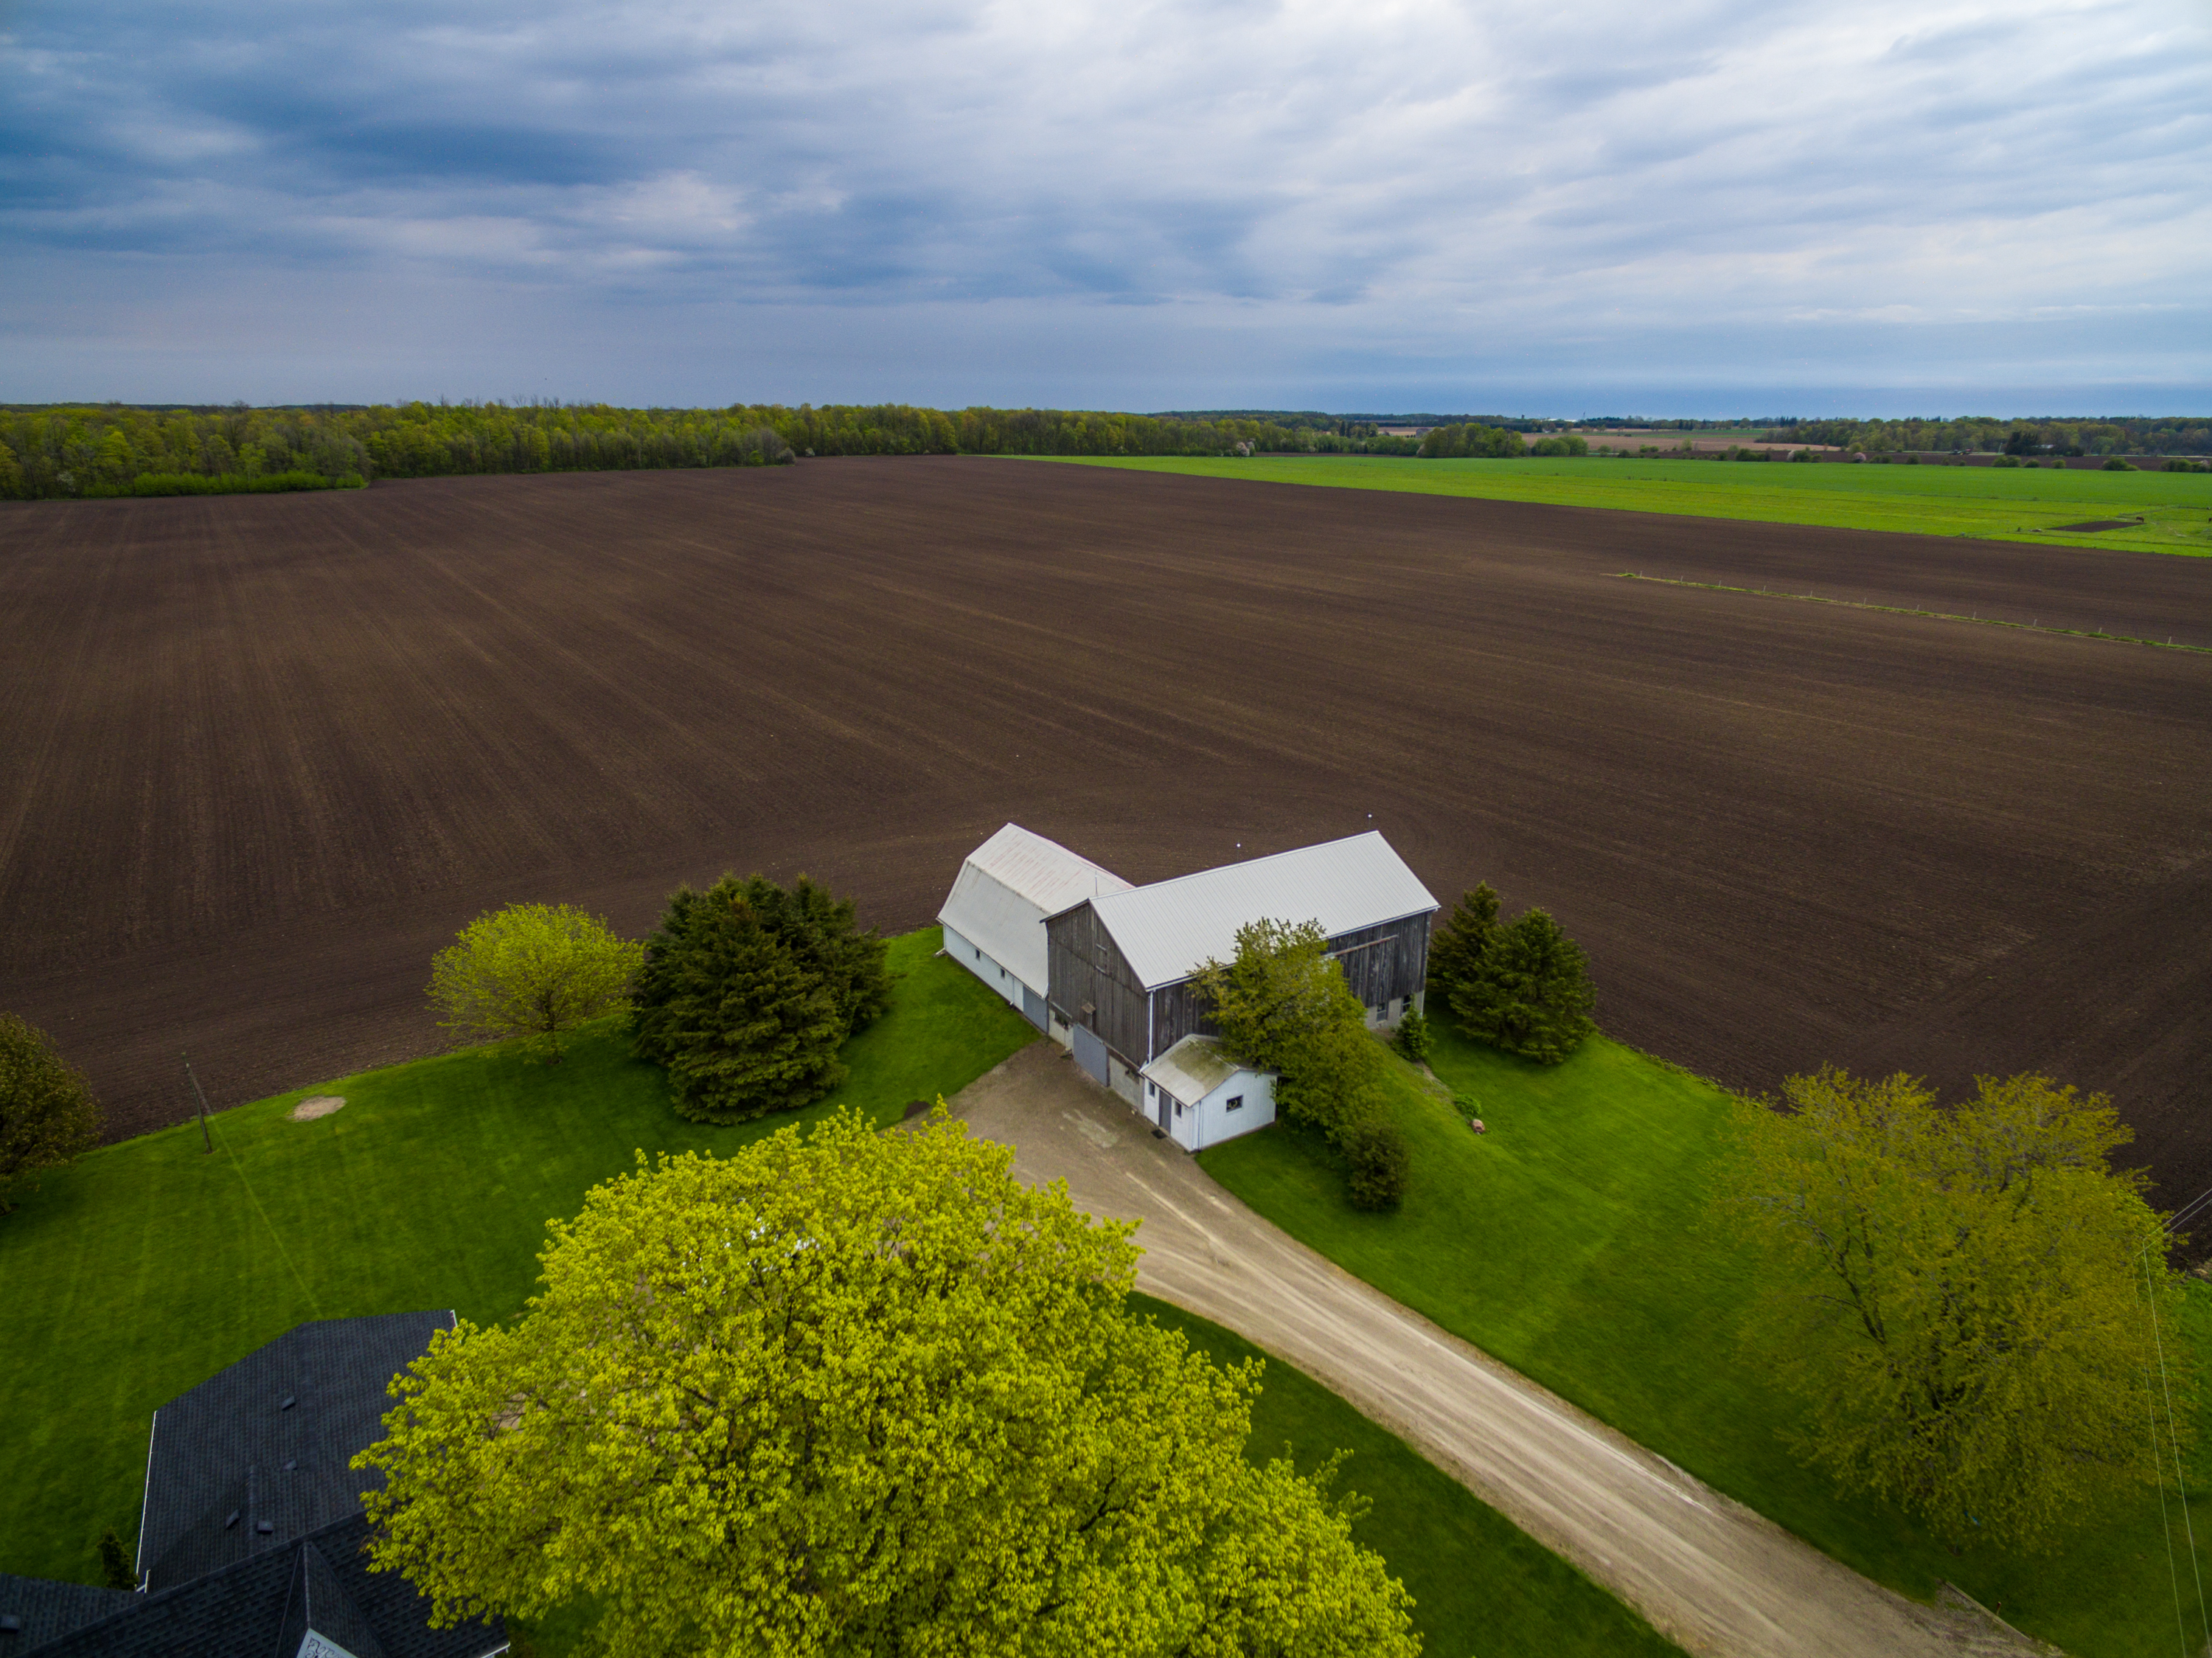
1167	930
1007	887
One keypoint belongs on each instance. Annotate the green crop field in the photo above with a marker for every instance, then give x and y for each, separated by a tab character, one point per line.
1988	502
150	1264
1579	1241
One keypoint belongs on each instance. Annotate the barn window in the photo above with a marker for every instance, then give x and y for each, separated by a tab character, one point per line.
1236	1102
1178	1108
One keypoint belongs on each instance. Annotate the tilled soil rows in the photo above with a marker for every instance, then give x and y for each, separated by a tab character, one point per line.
265	755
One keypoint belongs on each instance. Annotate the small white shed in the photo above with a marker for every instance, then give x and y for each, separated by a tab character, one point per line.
993	918
1201	1097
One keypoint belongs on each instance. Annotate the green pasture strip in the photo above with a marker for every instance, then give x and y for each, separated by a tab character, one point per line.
1985	503
150	1265
1480	1584
1907	610
1580	1241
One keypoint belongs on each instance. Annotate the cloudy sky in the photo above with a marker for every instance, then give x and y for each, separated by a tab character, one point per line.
1693	207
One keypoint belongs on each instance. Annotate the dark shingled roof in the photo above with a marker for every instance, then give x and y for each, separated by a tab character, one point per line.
255	1457
266	1605
42	1611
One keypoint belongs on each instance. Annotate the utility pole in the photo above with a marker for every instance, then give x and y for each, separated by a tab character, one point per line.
206	1142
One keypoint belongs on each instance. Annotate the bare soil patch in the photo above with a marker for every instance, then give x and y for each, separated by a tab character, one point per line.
317	1106
267	752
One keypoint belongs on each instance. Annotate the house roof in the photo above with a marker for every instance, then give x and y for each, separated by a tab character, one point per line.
42	1611
270	1602
1007	887
256	1456
1192	1068
1167	931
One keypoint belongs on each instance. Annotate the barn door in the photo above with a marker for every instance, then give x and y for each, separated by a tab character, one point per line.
1089	1050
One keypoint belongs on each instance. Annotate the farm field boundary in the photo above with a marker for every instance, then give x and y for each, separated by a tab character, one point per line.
1983	503
1809	598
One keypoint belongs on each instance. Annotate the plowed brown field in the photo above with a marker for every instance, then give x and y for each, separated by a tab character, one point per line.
265	754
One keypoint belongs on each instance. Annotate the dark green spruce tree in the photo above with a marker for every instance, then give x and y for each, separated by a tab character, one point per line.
1530	994
749	991
818	929
1456	947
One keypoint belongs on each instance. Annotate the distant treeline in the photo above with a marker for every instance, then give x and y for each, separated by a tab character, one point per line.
120	449
107	449
2177	435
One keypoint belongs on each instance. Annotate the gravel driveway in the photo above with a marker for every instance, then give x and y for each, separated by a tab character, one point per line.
1713	1575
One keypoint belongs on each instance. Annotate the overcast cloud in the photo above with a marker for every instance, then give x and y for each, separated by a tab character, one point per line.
1687	207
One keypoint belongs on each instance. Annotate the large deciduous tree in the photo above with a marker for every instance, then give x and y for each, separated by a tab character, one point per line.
47	1114
859	1392
1967	1298
1282	1005
533	972
749	991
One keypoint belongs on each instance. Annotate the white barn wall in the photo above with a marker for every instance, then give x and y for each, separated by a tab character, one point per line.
981	963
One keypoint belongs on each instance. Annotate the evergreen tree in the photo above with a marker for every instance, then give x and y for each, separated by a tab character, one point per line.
1456	949
745	1028
114	1564
818	929
1531	994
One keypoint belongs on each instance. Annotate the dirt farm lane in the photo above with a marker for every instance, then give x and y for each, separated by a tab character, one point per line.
1716	1577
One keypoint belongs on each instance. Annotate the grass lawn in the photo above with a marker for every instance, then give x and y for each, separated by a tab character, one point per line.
1990	502
1479	1584
148	1267
1578	1241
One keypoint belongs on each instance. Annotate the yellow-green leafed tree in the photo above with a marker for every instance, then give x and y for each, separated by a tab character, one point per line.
859	1392
1970	1299
532	970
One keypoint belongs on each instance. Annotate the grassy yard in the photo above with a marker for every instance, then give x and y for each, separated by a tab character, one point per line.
1578	1241
1479	1584
150	1265
1997	503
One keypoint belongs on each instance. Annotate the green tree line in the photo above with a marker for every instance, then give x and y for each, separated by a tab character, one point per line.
2177	435
108	449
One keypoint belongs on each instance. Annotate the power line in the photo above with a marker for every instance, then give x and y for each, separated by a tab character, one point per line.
2173	1443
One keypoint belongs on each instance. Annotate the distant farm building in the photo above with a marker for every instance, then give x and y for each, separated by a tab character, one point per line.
1105	968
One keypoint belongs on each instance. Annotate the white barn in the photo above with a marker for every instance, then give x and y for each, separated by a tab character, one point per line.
994	919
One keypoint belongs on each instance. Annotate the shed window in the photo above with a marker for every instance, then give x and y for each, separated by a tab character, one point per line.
1178	1108
1236	1102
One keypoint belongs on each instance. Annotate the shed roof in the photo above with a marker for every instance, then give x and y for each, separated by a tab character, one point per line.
267	1442
1167	931
1192	1068
1007	887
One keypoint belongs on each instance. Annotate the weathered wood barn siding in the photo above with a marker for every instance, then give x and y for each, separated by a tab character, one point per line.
1388	963
1087	970
1382	964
